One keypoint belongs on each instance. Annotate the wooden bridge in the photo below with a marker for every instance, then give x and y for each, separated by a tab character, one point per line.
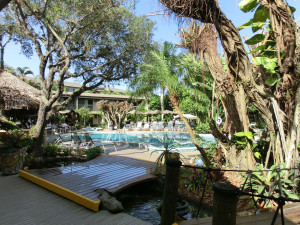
80	182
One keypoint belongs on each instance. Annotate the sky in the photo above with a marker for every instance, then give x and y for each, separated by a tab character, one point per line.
166	29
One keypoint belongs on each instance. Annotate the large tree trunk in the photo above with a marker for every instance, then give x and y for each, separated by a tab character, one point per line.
286	32
203	41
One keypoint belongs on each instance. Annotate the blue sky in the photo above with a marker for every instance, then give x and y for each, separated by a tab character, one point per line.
166	28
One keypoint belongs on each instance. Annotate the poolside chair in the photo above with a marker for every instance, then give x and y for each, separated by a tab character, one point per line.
160	125
97	142
127	127
183	127
153	126
169	126
69	140
177	126
146	127
139	125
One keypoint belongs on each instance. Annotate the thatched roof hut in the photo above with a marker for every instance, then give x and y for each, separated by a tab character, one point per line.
16	93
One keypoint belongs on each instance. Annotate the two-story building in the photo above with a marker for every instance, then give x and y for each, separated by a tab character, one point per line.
89	99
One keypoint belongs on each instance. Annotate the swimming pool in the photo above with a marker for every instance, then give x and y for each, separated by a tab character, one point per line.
152	140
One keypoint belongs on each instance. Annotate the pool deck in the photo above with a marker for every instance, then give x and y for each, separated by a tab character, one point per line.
28	203
23	202
80	182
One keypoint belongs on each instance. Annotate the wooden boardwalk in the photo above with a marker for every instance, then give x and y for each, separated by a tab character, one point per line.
291	214
79	182
22	203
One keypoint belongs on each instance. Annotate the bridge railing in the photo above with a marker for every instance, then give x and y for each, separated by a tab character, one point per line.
280	200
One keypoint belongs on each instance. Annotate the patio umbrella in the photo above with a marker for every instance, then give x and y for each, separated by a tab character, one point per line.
16	93
152	112
188	116
134	112
168	112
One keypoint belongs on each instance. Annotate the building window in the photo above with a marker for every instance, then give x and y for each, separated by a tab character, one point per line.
81	103
71	89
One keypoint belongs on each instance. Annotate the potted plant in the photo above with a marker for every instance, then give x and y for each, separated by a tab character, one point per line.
13	146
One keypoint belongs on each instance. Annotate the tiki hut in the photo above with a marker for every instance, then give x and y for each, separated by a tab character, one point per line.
16	94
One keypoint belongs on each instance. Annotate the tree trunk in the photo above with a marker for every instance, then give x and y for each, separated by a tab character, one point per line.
39	130
1	53
202	41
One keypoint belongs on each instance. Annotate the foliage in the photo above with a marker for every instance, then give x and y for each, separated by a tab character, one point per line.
154	102
167	142
8	125
196	180
93	153
203	128
197	89
95	41
267	183
13	140
85	115
242	139
213	152
51	150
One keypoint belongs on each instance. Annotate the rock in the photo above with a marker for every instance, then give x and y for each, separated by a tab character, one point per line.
109	202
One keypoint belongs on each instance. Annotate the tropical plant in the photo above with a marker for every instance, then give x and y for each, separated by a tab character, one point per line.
196	180
23	71
203	128
161	69
169	146
51	150
13	140
93	153
85	115
269	183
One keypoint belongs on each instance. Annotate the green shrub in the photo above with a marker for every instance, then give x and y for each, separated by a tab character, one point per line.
203	128
93	153
51	150
267	183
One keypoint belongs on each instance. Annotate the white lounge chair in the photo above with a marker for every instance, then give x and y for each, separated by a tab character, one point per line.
139	125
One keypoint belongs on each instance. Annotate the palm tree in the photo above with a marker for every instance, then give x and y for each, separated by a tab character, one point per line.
23	71
161	70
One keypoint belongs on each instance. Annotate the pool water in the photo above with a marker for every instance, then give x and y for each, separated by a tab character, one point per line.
153	140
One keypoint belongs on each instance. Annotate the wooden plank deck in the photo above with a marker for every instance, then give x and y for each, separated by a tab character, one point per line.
22	203
111	173
291	214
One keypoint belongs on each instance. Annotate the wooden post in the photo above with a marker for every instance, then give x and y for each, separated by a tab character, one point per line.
225	202
170	191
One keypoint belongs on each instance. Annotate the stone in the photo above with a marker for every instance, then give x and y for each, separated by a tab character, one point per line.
108	202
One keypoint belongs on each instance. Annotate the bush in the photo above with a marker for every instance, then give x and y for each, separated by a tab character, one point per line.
203	128
93	153
51	150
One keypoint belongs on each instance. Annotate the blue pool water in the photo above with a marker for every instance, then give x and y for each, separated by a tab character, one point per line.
153	140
